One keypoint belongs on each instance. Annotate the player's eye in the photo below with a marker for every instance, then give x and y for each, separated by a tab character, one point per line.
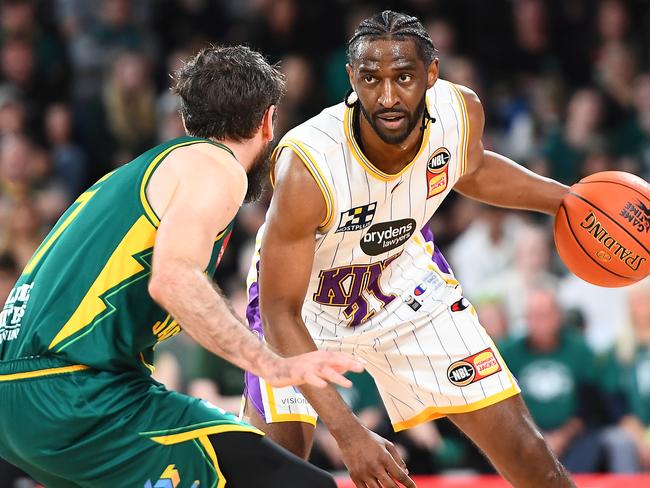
368	78
405	78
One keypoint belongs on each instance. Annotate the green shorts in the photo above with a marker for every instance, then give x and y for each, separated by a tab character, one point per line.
72	426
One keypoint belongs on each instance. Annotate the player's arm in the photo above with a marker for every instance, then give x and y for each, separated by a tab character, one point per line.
198	196
287	254
494	179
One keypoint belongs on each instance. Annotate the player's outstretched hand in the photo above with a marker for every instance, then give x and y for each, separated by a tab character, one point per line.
316	368
374	462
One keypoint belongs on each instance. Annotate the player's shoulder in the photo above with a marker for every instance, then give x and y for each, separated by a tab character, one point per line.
320	133
206	160
446	90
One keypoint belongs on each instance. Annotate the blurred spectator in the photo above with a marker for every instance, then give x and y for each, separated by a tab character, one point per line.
17	172
528	271
19	71
484	249
301	102
613	21
12	112
18	20
68	159
603	309
565	149
493	319
615	71
93	48
633	136
169	121
25	229
627	379
121	122
556	372
9	273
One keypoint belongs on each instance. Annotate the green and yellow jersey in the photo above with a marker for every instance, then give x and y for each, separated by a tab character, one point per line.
83	295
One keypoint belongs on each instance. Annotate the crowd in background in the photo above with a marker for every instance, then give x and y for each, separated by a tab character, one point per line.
566	89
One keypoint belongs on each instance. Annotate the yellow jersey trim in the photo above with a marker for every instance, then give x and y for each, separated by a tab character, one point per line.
148	209
313	168
171	439
363	160
117	272
429	249
432	413
286	417
43	372
150	367
209	449
463	143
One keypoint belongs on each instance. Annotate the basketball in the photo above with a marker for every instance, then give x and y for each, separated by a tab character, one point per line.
602	229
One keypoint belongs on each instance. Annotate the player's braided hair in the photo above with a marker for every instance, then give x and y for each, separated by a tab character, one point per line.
388	25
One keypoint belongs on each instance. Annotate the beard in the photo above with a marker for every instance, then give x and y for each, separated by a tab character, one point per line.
258	174
412	120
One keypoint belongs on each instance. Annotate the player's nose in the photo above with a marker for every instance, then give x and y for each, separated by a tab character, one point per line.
387	96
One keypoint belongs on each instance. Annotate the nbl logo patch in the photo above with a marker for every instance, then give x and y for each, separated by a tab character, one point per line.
473	368
357	218
437	172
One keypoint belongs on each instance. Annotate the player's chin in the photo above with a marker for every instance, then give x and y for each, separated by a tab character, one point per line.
392	132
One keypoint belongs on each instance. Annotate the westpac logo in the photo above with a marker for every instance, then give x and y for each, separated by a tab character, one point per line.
357	218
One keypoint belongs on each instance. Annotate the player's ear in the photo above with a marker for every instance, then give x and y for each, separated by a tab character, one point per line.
268	121
432	73
350	71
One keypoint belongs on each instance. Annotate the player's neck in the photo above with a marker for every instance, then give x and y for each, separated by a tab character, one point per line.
245	151
389	158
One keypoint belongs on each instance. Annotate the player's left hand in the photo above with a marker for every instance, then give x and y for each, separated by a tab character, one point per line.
317	368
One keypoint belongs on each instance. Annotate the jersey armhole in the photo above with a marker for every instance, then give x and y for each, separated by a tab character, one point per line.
150	213
464	131
316	173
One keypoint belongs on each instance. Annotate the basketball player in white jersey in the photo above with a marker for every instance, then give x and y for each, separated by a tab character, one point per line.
347	263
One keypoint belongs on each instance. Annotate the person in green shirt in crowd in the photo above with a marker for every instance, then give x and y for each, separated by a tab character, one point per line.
626	378
556	372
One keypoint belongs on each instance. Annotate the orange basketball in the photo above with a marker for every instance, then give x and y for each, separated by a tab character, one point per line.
602	229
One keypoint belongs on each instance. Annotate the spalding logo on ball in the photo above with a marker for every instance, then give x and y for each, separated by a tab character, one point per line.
602	229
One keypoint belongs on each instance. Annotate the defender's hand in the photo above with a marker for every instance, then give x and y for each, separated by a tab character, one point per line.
316	368
373	462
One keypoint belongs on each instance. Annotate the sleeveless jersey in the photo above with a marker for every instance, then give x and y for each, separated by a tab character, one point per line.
83	295
374	244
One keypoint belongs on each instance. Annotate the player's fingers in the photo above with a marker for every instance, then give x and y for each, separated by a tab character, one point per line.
386	481
396	467
359	483
392	450
333	377
314	380
341	361
372	483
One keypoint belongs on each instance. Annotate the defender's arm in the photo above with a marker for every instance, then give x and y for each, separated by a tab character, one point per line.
197	196
494	179
287	255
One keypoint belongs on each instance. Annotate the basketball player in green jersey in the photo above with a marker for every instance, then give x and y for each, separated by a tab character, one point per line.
126	267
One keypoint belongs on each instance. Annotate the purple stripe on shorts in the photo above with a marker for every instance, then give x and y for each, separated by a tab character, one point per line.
437	257
253	389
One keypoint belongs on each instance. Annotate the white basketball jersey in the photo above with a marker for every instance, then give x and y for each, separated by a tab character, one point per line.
374	250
